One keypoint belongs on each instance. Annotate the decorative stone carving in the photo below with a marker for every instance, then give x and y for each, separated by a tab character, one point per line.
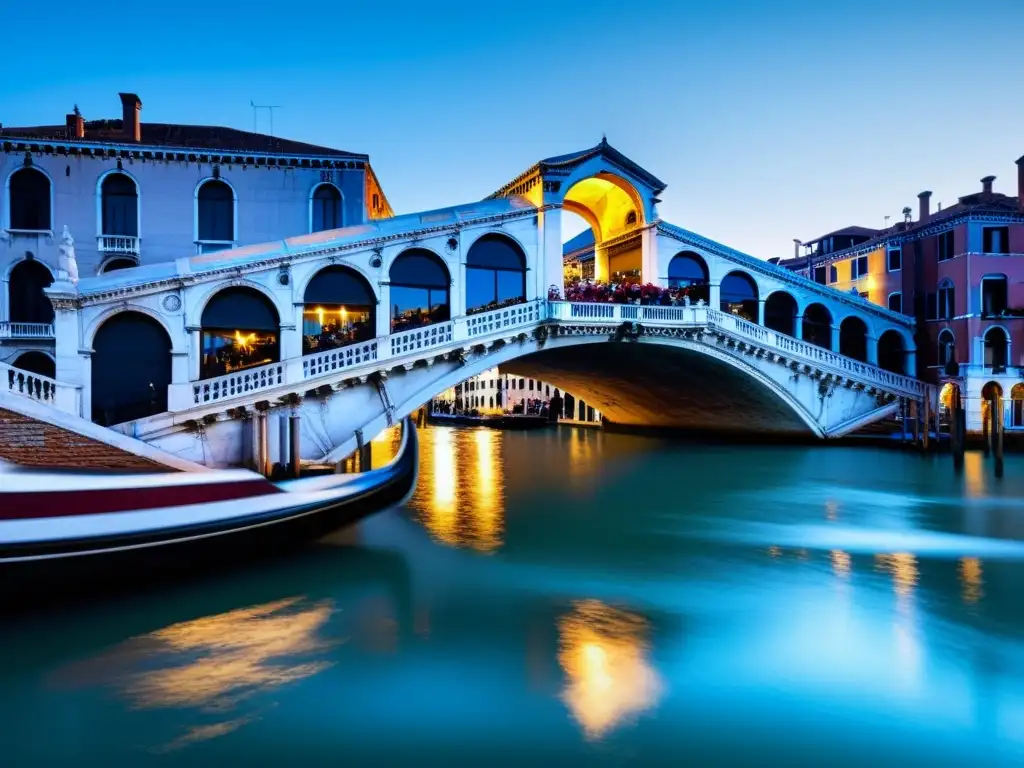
68	267
171	303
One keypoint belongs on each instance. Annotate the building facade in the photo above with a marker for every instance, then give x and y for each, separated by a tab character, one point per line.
959	271
495	393
134	193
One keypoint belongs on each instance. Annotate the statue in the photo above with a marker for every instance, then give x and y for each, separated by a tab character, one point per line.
686	299
67	264
701	303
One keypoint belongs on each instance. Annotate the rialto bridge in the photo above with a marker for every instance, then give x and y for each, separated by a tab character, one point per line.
349	330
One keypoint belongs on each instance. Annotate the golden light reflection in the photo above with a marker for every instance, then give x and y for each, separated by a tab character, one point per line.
774	551
903	568
214	663
580	453
486	522
244	343
970	579
441	516
976	479
831	510
841	563
603	652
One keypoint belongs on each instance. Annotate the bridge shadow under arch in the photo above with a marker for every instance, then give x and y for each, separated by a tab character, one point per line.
658	385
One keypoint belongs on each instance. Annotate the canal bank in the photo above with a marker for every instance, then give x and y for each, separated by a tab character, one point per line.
572	595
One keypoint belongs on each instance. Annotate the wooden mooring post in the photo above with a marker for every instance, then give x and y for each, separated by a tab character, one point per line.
927	422
997	428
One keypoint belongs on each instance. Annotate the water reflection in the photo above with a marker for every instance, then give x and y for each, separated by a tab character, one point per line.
214	663
460	498
970	579
903	568
603	652
841	563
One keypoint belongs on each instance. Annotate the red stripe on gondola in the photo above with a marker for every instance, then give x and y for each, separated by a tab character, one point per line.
26	506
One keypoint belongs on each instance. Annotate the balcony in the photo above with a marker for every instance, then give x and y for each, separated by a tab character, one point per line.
117	245
9	330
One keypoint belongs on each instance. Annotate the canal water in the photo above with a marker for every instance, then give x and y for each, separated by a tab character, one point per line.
578	597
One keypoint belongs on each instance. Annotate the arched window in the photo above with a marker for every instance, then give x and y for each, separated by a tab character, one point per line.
631	219
817	326
38	363
215	216
892	354
339	308
947	347
28	303
120	206
738	294
946	300
495	274
996	348
688	271
419	290
113	265
29	200
780	313
326	208
131	369
240	330
1017	405
853	338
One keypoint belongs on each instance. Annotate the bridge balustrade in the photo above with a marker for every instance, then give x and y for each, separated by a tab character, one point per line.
238	383
419	339
323	363
31	385
504	318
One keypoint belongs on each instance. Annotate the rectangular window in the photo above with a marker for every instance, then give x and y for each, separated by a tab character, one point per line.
819	275
930	307
833	274
944	245
896	302
858	267
996	239
993	296
895	259
946	303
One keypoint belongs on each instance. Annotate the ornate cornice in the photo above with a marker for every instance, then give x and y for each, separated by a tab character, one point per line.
781	273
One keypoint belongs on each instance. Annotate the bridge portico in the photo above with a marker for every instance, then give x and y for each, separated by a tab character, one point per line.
363	324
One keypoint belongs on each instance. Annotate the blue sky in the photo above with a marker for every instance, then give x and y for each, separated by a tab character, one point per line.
768	120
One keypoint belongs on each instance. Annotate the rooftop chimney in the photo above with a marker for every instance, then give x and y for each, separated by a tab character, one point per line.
1020	184
797	244
986	184
924	209
76	126
130	123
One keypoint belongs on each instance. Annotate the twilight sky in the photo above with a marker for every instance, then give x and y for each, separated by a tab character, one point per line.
768	119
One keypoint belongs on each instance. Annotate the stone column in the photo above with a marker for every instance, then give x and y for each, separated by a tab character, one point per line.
911	363
383	314
294	463
602	264
649	258
872	350
179	392
290	342
835	338
715	295
760	312
195	352
72	362
548	269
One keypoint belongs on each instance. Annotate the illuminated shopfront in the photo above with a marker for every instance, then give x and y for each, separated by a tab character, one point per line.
240	329
339	308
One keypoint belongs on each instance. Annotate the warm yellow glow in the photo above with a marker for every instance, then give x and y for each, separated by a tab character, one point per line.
774	551
580	452
485	523
903	567
244	342
970	579
608	199
440	518
841	563
603	652
975	475
320	315
946	395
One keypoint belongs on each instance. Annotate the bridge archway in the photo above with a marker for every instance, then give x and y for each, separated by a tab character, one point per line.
781	313
420	290
739	296
817	326
495	273
688	270
131	368
38	363
240	329
853	338
339	308
613	208
892	352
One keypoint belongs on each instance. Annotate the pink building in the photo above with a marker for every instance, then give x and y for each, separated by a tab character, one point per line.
959	271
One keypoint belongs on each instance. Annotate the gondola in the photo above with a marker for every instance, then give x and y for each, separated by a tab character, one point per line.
56	526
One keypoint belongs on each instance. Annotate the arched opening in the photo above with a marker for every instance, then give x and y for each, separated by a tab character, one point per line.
28	302
113	265
215	216
853	338
420	286
946	300
738	295
780	313
947	349
989	392
38	363
240	329
612	208
495	274
339	308
29	201
949	396
996	348
326	208
892	353
131	369
688	272
817	326
120	206
1017	406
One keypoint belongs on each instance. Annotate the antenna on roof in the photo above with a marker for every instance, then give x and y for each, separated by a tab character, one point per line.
269	107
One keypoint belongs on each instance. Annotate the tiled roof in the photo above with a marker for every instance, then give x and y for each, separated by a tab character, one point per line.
853	231
208	137
584	239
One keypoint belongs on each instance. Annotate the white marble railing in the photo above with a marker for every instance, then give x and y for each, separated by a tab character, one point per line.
18	382
237	383
324	363
419	339
122	244
506	318
9	330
